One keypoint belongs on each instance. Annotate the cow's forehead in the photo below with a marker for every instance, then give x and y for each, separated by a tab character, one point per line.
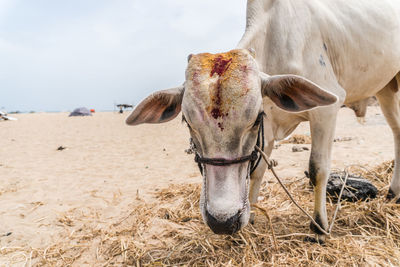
222	85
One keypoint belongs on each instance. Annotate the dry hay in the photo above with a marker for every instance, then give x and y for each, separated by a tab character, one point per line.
171	232
297	139
301	139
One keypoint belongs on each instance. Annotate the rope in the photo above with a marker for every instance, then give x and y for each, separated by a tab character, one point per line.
254	158
271	165
224	162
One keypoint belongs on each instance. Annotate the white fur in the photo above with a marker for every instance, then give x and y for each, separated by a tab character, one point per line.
350	48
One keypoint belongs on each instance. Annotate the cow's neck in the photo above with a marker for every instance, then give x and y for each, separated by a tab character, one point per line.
256	25
255	10
258	29
282	123
258	18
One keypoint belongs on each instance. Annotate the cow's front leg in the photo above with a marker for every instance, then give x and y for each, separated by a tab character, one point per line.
255	184
256	180
322	125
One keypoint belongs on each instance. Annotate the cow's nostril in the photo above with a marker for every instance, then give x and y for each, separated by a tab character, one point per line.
228	227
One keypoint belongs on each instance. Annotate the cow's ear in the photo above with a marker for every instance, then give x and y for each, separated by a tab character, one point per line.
294	93
159	107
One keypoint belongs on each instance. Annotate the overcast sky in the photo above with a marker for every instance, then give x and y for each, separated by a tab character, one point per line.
56	55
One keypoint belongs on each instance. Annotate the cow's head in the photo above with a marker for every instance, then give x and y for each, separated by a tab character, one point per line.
221	102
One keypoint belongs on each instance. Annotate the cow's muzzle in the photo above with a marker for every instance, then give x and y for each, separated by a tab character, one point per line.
228	227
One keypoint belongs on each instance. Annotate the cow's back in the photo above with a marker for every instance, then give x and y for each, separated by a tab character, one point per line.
362	40
357	41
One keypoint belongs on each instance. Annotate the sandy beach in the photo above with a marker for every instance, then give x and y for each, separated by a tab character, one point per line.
106	166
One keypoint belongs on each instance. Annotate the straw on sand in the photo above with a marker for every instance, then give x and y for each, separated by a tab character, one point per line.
297	139
170	232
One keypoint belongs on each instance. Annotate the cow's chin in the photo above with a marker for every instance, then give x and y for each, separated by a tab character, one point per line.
222	223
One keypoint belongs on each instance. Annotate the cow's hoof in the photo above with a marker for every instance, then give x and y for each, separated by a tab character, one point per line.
361	120
391	195
318	239
314	228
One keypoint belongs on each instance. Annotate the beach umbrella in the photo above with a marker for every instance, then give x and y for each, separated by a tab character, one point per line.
80	112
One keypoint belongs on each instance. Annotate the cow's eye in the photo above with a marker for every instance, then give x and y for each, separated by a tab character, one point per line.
259	118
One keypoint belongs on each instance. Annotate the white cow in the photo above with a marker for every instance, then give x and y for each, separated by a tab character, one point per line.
308	53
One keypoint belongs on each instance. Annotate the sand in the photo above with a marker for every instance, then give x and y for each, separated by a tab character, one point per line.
108	165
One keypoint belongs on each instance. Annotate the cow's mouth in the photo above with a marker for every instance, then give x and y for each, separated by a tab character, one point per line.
228	227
